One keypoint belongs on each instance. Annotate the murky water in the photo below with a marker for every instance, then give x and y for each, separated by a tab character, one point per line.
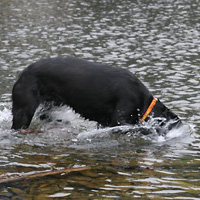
159	41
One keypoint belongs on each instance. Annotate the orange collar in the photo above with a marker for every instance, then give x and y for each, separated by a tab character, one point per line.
149	109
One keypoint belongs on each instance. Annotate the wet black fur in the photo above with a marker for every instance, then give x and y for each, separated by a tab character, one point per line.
109	95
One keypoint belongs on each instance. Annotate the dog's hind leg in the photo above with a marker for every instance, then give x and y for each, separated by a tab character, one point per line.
25	102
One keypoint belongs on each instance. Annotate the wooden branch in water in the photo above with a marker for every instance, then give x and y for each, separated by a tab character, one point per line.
42	174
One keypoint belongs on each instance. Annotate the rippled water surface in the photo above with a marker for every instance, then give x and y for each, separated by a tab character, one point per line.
159	41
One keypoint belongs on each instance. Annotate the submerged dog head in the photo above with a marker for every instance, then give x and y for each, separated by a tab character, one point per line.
164	119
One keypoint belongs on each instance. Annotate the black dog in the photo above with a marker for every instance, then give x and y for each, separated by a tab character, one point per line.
109	95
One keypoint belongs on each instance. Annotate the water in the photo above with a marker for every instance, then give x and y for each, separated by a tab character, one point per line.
159	41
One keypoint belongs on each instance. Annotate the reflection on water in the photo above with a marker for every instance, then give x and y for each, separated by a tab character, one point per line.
159	41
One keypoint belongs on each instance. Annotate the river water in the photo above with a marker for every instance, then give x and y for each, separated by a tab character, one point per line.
159	41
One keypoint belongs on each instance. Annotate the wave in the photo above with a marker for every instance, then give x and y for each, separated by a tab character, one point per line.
69	129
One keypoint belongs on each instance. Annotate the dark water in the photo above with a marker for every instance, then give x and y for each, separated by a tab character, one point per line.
159	41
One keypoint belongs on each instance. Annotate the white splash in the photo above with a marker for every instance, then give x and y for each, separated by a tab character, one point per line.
5	116
68	128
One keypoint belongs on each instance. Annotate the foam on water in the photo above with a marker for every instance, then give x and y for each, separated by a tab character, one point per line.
79	129
144	131
69	129
5	116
